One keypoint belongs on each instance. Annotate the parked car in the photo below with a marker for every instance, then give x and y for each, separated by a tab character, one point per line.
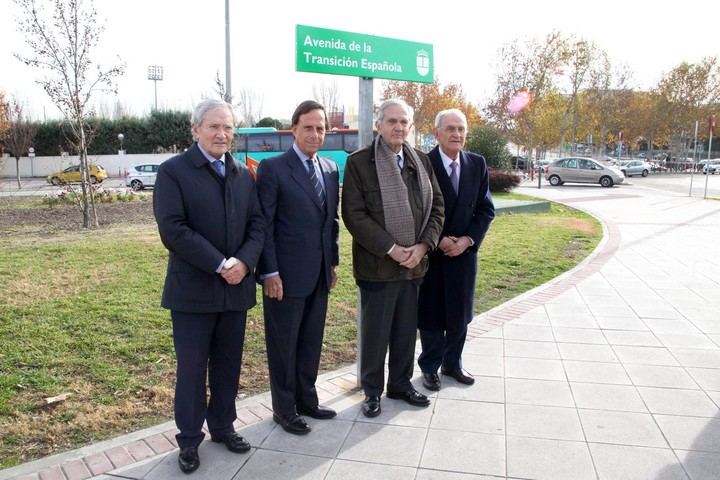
711	168
138	177
636	167
72	175
518	162
582	170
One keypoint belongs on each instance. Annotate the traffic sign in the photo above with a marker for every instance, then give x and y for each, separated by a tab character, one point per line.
320	50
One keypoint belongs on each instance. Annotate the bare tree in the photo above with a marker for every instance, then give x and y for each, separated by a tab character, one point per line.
220	88
250	106
326	94
19	135
61	36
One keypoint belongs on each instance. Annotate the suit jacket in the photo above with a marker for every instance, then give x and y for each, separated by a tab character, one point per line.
364	217
446	296
301	239
203	218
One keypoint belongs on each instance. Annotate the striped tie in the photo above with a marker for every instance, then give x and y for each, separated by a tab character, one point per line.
315	182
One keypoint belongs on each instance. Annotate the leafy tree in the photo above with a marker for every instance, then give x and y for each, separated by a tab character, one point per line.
270	122
528	72
61	36
19	135
427	99
489	142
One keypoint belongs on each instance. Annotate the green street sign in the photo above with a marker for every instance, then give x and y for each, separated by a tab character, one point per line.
320	50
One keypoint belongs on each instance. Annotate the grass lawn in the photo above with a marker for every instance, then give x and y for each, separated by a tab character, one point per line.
80	314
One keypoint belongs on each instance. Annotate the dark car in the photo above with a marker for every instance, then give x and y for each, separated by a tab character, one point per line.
518	162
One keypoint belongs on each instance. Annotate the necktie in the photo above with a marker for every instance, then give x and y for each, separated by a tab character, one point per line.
219	167
399	162
454	180
315	181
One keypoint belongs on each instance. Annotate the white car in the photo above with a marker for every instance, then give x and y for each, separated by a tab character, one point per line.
711	168
138	177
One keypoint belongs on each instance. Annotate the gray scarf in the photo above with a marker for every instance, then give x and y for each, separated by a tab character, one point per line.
399	220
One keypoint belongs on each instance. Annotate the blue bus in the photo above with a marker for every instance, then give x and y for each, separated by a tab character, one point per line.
253	145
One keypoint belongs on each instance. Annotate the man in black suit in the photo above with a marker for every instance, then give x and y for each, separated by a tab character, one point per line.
298	192
210	220
446	296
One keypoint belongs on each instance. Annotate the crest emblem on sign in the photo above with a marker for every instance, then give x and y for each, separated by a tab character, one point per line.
422	62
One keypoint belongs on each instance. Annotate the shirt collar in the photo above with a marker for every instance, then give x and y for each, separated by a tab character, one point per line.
447	160
209	157
301	155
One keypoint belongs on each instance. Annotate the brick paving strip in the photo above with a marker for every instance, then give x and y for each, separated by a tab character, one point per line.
125	450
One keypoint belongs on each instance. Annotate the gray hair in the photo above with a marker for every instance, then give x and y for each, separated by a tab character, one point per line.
451	111
394	101
202	108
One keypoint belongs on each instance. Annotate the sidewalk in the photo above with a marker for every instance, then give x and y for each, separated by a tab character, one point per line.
610	371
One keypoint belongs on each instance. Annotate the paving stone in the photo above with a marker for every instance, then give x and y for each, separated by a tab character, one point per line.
376	443
596	372
625	428
691	433
538	392
347	470
615	462
51	473
119	456
159	444
660	376
76	470
701	465
533	368
139	450
98	463
543	459
608	397
482	417
478	453
678	402
531	349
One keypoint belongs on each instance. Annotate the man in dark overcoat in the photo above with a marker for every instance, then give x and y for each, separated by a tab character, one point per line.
445	306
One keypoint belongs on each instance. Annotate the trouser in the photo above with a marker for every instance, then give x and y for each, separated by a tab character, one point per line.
207	345
442	348
388	320
294	329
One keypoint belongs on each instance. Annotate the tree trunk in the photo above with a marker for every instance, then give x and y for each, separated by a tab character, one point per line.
17	171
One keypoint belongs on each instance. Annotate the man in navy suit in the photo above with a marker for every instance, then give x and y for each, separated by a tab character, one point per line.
210	220
298	193
445	306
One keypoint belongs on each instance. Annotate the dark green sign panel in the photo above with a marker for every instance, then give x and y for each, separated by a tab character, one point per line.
320	50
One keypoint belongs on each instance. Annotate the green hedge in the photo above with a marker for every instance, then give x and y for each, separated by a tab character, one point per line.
162	131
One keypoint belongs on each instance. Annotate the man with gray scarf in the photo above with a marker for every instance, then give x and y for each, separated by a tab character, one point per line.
393	208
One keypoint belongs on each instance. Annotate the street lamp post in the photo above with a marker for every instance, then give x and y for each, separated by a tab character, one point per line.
121	137
155	73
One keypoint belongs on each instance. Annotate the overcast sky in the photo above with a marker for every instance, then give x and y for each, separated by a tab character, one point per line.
187	38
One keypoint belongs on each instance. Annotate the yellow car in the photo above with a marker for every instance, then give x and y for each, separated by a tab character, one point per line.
72	175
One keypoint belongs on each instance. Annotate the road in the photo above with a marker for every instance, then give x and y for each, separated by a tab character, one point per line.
676	183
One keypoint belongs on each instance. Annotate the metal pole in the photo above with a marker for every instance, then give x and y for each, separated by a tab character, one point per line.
155	82
707	165
228	80
692	172
365	138
365	113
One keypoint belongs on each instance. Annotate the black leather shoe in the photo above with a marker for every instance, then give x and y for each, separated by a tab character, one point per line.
294	424
371	406
412	396
431	381
233	442
318	412
189	460
460	376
